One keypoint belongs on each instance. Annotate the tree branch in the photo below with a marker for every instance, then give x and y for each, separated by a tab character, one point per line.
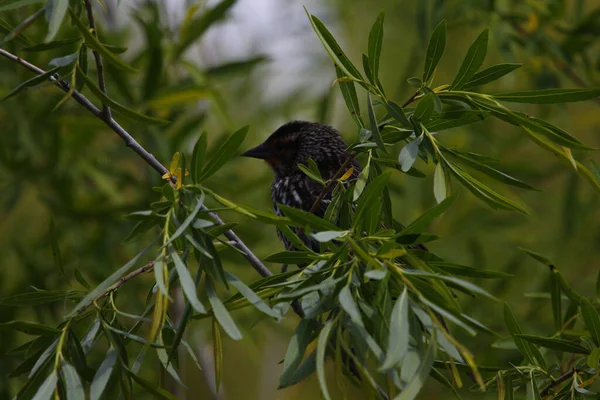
97	58
139	150
557	382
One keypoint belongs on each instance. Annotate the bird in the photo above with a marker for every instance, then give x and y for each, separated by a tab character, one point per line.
295	143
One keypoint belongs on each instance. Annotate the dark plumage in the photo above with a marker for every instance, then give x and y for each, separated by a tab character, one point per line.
292	144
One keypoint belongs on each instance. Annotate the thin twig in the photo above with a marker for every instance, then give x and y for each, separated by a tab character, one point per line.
146	268
332	181
557	382
97	58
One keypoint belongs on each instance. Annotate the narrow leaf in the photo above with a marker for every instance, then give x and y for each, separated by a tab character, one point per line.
408	154
555	344
439	183
435	50
224	153
46	390
321	350
187	282
398	333
591	318
55	13
220	312
375	44
549	96
374	126
117	107
73	385
490	74
93	43
473	60
36	80
103	374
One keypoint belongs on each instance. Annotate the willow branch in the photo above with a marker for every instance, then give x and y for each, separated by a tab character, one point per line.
97	58
140	151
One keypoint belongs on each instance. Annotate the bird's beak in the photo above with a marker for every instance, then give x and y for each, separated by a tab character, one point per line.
259	151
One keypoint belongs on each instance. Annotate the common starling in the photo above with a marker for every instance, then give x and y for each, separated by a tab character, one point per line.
295	143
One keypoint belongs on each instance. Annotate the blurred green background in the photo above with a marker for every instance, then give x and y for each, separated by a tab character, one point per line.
262	65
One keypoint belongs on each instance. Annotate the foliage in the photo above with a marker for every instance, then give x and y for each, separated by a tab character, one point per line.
385	311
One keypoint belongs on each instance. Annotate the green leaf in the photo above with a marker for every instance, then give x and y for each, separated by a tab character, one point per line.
350	98
473	60
555	296
408	154
290	257
529	351
73	385
486	169
468	286
159	275
320	360
195	28
55	13
187	222
295	352
38	297
398	336
549	96
493	199
150	387
220	312
375	44
439	183
374	126
114	277
6	5
46	390
349	306
311	173
249	294
305	218
463	270
397	113
454	119
591	318
24	24
55	249
361	181
555	344
187	282
414	386
29	328
64	61
198	156
490	74
435	50
593	359
224	153
36	80
233	69
103	374
117	107
328	236
533	393
424	109
419	224
93	43
369	196
333	48
218	352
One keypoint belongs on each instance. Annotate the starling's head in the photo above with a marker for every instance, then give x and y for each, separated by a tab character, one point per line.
297	141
